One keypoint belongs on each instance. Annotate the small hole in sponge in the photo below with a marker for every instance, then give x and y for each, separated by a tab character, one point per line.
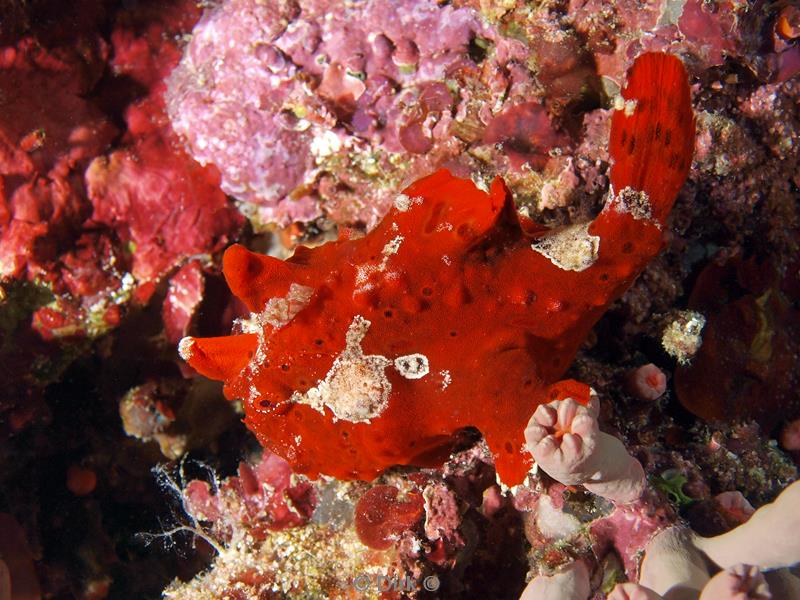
509	448
427	291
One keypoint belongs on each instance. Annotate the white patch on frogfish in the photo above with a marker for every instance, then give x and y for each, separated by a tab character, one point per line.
446	378
185	347
356	389
571	248
402	202
412	366
277	313
365	272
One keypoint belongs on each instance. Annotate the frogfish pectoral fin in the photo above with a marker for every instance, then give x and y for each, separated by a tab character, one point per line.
221	358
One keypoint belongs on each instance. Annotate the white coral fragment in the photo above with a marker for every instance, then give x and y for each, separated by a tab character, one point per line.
571	248
682	338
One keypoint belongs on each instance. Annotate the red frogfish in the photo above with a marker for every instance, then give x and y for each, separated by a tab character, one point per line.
454	312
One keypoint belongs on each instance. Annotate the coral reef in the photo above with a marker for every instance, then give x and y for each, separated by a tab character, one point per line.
296	123
675	562
308	107
748	347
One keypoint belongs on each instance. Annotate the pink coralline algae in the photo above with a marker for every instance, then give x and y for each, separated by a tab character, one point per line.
96	230
302	104
704	33
382	513
129	189
184	296
99	203
43	152
264	497
161	204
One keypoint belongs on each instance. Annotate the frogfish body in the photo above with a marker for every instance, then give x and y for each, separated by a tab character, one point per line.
453	312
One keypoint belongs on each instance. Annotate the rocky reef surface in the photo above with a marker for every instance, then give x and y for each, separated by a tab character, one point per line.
139	140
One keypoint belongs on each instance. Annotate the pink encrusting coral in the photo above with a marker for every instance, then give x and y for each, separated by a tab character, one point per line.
264	497
307	104
128	189
159	202
97	230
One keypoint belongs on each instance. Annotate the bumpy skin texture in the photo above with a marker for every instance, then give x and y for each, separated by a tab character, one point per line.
452	274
